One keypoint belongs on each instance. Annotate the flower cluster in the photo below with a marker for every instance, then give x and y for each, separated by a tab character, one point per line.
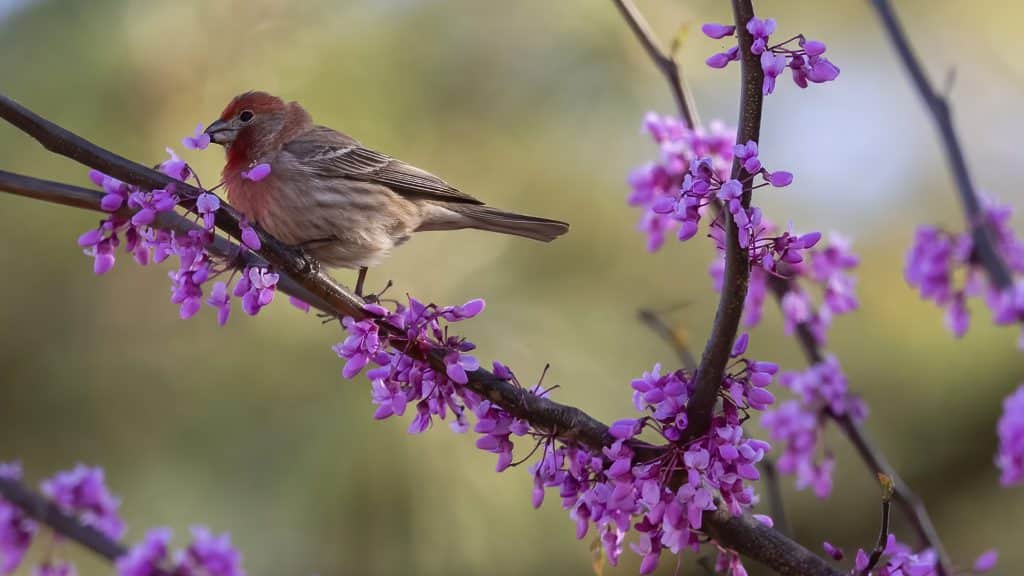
207	554
132	215
399	343
898	559
805	60
16	529
937	257
1011	439
797	424
82	491
664	496
659	183
681	188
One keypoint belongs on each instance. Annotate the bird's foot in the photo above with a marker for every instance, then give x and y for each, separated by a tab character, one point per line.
376	298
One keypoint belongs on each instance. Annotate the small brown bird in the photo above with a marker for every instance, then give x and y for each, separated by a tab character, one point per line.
344	204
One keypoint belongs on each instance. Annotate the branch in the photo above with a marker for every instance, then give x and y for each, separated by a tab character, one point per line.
666	63
911	504
708	378
883	532
567	423
663	330
48	513
984	243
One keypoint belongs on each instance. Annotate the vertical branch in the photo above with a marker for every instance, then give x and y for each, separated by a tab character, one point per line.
984	243
737	265
665	62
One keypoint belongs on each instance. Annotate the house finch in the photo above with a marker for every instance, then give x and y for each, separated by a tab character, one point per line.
344	204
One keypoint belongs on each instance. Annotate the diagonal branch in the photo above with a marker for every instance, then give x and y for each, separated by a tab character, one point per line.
567	423
984	242
666	63
66	525
876	462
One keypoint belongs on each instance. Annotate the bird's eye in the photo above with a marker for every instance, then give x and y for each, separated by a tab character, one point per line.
245	116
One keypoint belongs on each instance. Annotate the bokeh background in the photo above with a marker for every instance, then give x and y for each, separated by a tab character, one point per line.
535	106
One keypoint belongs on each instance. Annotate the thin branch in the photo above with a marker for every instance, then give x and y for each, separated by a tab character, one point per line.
911	504
663	330
708	379
776	505
984	243
85	198
568	423
883	532
66	525
665	62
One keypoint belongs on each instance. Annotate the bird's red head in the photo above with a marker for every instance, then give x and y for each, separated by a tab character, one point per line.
255	124
254	101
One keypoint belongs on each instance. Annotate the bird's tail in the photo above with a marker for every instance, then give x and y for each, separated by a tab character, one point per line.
483	217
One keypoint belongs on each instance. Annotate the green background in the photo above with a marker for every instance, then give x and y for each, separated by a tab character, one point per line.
534	106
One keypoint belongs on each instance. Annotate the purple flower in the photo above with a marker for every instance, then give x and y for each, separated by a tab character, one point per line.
716	31
748	154
722	59
220	300
16	529
773	65
986	561
256	288
199	140
83	492
249	237
833	551
146	557
257	172
175	167
207	205
1010	428
780	178
760	30
211	555
299	303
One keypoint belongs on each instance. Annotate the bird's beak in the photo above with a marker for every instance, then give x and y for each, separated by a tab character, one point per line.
220	132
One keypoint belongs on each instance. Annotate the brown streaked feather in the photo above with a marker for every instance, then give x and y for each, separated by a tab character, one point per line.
329	153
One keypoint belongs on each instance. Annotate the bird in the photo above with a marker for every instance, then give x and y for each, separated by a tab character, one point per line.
344	204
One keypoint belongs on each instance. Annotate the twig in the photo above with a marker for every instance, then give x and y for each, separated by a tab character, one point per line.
568	423
708	379
883	533
984	243
662	329
665	62
776	505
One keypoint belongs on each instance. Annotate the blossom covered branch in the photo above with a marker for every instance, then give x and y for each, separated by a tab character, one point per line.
548	418
989	251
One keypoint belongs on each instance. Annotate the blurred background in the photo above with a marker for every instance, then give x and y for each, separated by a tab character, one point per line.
534	106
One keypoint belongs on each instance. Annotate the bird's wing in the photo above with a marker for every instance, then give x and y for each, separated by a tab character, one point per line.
331	154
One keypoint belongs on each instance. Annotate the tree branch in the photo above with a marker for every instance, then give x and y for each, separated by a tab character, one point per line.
984	243
48	513
567	423
911	504
665	63
666	333
708	379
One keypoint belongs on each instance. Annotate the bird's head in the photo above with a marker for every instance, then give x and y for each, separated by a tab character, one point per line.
256	120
